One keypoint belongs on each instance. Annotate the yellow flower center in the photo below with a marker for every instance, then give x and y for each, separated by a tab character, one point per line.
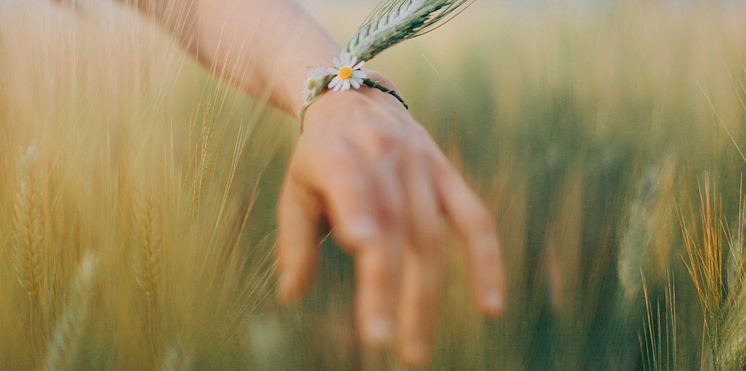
345	72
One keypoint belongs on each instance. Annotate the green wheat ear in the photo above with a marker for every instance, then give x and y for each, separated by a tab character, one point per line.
394	21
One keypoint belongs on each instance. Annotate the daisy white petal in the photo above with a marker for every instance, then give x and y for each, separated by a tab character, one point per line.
359	65
346	85
336	62
355	83
332	71
336	81
357	74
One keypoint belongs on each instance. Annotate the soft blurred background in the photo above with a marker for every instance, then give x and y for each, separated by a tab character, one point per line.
137	191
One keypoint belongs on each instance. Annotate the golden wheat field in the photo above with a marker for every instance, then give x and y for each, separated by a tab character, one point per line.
137	193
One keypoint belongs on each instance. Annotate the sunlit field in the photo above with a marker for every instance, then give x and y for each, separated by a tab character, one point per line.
137	193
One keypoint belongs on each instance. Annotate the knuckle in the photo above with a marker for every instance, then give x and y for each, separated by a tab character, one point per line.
345	239
383	143
380	141
391	214
427	235
344	236
482	222
440	167
356	228
351	239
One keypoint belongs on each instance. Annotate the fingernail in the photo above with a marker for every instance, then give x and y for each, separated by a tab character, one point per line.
363	227
380	331
494	301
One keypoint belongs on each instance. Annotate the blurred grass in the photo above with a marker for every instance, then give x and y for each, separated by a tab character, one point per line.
604	139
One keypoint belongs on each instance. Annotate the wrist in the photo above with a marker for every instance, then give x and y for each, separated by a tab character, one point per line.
370	93
340	106
366	94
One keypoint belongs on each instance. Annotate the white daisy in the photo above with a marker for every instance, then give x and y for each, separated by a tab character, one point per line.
347	73
313	83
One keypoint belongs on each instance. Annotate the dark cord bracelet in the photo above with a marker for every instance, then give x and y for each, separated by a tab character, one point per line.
375	85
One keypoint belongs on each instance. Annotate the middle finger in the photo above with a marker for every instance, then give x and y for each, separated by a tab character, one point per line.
424	267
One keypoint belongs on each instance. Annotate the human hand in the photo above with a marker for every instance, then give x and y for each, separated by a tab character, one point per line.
364	167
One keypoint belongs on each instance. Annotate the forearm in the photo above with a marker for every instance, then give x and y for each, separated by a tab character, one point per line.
265	47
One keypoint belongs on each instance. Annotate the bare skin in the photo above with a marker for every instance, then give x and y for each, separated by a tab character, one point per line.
363	166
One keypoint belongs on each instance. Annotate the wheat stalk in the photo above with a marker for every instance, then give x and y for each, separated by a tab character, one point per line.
645	221
704	262
28	238
68	333
720	289
147	265
736	265
394	21
636	239
733	345
28	232
147	262
660	340
732	351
